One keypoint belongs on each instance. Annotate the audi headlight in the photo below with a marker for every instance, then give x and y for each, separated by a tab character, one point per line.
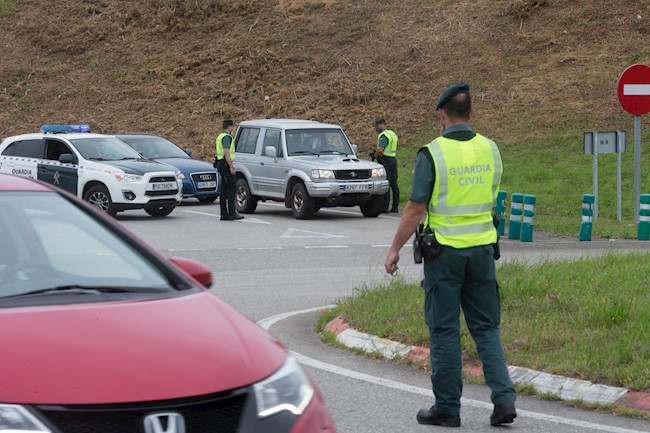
14	418
379	172
126	177
287	389
180	176
322	174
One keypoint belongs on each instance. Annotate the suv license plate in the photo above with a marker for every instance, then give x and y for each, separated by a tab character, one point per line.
205	185
357	187
163	186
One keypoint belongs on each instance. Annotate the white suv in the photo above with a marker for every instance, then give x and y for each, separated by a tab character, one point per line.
306	165
98	168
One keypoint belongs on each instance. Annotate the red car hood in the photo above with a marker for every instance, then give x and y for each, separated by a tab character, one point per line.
131	351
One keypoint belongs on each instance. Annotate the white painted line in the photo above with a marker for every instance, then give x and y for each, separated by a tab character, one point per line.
250	220
245	220
200	213
636	89
270	321
409	245
295	233
313	247
259	248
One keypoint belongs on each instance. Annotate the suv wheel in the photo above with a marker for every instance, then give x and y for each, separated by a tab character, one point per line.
245	202
159	210
373	207
302	204
99	197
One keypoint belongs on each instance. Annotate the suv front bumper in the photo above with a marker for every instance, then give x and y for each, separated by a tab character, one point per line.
336	189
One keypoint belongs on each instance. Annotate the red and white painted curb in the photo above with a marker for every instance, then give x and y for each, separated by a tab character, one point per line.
564	388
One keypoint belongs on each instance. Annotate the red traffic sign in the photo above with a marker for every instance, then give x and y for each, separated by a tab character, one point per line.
634	89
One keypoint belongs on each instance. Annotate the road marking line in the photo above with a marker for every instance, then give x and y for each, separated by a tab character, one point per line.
259	248
291	233
636	89
270	321
311	247
245	220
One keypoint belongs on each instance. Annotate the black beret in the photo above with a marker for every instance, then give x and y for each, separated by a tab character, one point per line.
380	121
450	92
227	123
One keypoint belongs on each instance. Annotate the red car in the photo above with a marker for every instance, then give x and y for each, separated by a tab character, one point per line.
102	333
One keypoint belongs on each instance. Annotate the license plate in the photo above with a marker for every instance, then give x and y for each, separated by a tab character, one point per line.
206	185
357	187
162	186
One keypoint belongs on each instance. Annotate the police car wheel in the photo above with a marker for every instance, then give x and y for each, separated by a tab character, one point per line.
303	205
158	211
99	197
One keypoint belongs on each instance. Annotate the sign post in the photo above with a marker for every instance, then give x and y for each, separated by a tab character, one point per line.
605	142
634	96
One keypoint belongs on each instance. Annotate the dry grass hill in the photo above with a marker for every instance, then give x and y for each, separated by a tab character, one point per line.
178	67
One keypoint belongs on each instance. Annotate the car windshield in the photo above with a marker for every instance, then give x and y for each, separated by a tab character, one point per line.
48	244
152	147
104	149
317	141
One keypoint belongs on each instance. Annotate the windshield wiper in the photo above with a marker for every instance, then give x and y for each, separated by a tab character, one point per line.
86	290
302	152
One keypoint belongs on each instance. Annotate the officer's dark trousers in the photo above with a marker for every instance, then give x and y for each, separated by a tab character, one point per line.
390	164
464	278
227	193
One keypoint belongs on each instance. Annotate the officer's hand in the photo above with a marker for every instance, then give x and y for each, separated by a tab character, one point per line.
391	263
232	171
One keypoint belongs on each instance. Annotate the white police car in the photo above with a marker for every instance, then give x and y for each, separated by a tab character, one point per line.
98	168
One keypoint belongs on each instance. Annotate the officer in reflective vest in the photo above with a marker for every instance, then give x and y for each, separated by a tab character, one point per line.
386	154
455	183
224	155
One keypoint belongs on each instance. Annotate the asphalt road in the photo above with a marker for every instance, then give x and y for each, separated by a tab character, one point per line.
279	271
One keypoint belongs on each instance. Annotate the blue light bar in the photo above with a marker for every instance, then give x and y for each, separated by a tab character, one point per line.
64	129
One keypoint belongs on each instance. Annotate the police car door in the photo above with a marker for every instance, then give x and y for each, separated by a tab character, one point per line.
21	157
60	165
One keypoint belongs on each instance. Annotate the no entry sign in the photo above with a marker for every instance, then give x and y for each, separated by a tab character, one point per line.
634	90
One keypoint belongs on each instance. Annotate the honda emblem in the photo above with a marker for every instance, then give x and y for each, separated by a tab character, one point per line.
166	422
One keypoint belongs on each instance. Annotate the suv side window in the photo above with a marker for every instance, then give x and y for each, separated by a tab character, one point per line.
26	148
56	148
272	138
246	140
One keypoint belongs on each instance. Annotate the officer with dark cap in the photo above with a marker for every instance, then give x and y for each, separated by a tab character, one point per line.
224	156
386	155
455	183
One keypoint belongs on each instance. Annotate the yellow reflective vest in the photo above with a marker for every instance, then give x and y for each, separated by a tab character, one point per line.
391	147
219	150
467	178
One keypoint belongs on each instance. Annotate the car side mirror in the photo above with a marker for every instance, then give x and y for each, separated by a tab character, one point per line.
355	148
270	152
188	151
194	269
66	158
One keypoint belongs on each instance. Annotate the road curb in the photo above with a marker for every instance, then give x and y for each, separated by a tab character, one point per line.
562	387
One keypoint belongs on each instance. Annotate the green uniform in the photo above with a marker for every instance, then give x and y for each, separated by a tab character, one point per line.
463	275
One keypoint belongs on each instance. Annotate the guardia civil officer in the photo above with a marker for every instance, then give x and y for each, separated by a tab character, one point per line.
225	154
455	182
386	154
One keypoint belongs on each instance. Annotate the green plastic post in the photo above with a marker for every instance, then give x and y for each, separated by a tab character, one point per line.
516	213
527	223
643	233
500	211
588	201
